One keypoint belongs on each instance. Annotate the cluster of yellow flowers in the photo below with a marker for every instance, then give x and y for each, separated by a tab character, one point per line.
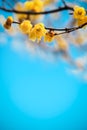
37	31
34	5
80	15
20	7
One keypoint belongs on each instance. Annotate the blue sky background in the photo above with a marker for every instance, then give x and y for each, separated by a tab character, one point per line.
39	95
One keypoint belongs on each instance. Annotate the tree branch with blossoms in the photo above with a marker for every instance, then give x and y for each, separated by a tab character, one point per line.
27	15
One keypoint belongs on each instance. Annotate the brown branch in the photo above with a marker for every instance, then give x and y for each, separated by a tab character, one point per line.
37	13
66	30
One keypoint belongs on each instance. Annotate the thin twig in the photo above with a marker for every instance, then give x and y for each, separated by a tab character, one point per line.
63	1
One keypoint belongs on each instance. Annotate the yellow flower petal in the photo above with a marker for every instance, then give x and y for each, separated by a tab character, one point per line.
37	32
49	37
79	12
26	26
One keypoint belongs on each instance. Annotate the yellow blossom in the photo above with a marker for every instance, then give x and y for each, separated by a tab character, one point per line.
79	12
47	2
82	21
20	7
49	36
32	35
62	44
34	5
37	32
8	22
79	40
28	5
26	26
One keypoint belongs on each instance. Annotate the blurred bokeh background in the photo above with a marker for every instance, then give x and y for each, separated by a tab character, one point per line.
38	94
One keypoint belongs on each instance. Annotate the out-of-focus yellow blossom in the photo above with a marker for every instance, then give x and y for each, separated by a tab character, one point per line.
62	44
20	7
79	40
82	21
34	5
8	22
34	18
47	2
26	26
49	36
79	12
29	5
37	32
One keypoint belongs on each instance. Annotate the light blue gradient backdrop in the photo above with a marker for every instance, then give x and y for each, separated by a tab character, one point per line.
39	95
